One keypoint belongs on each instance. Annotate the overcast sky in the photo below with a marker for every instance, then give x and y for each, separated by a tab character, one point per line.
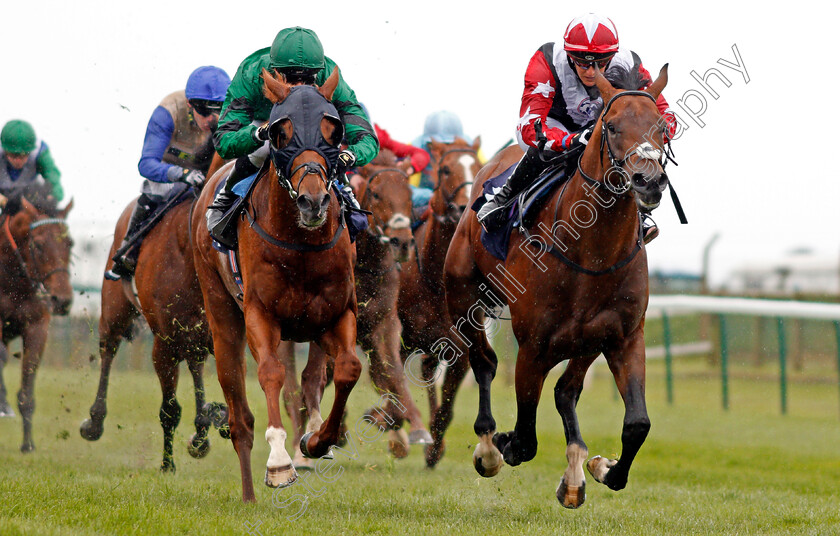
760	171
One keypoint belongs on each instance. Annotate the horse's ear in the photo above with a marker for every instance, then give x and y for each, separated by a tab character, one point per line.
329	86
274	90
436	147
659	84
603	85
66	210
476	143
29	207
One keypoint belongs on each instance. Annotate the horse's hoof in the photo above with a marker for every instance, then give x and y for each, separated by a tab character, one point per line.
198	449
280	477
571	496
486	472
598	467
167	466
420	437
91	431
434	453
398	443
303	448
26	448
302	463
6	410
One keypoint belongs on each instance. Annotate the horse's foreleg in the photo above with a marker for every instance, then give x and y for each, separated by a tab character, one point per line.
5	409
293	400
520	445
571	492
628	367
340	341
199	444
34	340
166	367
264	338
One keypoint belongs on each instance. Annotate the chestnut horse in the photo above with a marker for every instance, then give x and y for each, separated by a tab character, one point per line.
422	308
587	297
382	250
297	274
169	297
34	282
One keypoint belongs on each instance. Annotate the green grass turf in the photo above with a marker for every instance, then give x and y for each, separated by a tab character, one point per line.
703	470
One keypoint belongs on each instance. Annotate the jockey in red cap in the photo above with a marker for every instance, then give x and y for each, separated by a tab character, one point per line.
560	91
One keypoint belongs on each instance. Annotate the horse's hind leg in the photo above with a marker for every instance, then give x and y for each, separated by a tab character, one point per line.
166	367
571	492
34	340
453	376
628	367
199	444
5	409
114	323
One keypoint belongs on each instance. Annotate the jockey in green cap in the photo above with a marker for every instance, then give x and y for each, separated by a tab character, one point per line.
27	167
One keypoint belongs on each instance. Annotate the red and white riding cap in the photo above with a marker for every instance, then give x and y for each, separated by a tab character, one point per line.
591	34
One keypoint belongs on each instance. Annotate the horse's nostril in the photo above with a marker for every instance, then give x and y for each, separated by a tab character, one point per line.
304	202
638	180
325	201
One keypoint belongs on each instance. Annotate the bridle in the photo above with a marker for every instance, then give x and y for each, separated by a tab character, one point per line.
37	284
310	168
448	199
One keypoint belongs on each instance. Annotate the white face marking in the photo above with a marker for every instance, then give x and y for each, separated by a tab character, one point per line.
467	160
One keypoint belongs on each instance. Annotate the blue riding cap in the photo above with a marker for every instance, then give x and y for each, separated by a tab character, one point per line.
208	83
304	107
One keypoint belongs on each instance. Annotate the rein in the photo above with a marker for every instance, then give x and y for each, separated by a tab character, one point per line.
38	285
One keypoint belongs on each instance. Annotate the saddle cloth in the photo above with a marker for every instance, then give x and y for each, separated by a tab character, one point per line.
520	211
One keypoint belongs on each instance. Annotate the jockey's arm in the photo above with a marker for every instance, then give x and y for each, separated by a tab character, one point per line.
537	98
419	158
46	167
234	137
158	135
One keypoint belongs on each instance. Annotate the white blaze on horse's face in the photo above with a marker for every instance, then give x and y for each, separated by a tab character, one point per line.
467	161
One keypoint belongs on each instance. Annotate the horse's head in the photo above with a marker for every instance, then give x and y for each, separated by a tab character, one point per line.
632	130
387	195
454	167
43	243
305	132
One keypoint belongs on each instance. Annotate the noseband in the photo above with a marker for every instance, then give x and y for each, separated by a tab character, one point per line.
310	168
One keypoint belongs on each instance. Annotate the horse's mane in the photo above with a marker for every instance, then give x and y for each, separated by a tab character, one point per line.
622	78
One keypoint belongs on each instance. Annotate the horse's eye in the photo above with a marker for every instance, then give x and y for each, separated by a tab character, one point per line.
374	195
444	170
611	128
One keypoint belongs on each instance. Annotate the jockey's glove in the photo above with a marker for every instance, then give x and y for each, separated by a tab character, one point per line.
578	139
193	177
346	159
261	134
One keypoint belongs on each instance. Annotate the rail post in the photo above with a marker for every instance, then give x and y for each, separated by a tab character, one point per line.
780	327
669	375
724	363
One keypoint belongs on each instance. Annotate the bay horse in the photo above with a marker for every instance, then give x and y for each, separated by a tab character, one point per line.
34	283
297	276
422	308
382	250
169	298
587	297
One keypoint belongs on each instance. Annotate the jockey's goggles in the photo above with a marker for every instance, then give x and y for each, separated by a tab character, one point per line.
586	64
205	108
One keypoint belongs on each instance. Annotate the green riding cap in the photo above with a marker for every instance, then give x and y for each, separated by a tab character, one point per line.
297	47
18	137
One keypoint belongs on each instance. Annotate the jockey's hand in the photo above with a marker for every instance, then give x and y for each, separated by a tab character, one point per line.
405	165
193	177
261	134
578	139
346	159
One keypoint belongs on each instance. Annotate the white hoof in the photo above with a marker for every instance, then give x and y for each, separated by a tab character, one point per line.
280	477
487	459
599	466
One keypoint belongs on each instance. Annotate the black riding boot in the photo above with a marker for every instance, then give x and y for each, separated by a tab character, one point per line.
218	224
491	215
125	259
